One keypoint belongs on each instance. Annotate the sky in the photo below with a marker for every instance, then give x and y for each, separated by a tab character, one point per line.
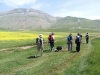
89	9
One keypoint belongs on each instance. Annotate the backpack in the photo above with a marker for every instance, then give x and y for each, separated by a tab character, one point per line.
77	39
81	36
50	38
68	38
87	36
38	41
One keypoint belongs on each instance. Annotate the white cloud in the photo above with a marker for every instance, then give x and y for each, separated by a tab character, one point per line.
64	12
40	5
94	17
80	8
16	3
37	6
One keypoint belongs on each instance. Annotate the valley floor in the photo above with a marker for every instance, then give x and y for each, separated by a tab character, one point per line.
20	61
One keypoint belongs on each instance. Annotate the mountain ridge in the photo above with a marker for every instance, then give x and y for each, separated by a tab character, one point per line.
22	19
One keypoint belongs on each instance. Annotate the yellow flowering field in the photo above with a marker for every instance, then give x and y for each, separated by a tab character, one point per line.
15	39
21	36
17	36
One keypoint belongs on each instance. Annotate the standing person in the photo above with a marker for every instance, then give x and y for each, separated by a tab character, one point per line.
69	42
78	42
87	38
51	40
39	42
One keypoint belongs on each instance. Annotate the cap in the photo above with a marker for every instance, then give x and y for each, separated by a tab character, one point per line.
40	35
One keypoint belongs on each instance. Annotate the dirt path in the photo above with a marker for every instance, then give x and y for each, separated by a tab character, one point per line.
21	48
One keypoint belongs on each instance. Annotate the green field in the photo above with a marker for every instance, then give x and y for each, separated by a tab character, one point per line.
17	50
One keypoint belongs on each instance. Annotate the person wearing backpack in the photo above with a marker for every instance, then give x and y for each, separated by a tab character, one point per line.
78	42
51	40
87	38
69	42
39	43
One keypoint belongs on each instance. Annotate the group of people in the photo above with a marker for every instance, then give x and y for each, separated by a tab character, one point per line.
51	40
78	41
40	44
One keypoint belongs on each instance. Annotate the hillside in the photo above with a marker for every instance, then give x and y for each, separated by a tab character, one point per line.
21	19
25	19
76	23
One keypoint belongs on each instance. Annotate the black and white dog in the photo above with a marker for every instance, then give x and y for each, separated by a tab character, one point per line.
58	48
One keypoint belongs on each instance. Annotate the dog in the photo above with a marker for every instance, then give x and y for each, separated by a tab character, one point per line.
58	48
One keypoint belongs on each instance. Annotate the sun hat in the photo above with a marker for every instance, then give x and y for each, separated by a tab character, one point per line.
40	35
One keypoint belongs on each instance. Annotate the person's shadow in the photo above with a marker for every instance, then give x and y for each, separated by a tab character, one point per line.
73	51
46	51
31	57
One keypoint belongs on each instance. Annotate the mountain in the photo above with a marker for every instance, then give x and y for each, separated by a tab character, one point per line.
75	23
21	18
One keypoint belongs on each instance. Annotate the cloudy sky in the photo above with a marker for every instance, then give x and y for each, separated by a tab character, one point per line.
89	9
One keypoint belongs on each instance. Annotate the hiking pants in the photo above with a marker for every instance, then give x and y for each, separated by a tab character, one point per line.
87	40
69	45
78	46
51	45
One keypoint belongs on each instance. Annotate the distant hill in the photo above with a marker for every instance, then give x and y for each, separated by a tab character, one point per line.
75	23
21	19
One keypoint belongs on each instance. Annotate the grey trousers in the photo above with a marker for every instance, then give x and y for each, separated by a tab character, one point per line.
69	45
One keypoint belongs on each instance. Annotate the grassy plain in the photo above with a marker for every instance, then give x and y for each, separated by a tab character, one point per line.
94	58
17	61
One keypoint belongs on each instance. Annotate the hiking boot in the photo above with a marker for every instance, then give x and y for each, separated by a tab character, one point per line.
50	49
